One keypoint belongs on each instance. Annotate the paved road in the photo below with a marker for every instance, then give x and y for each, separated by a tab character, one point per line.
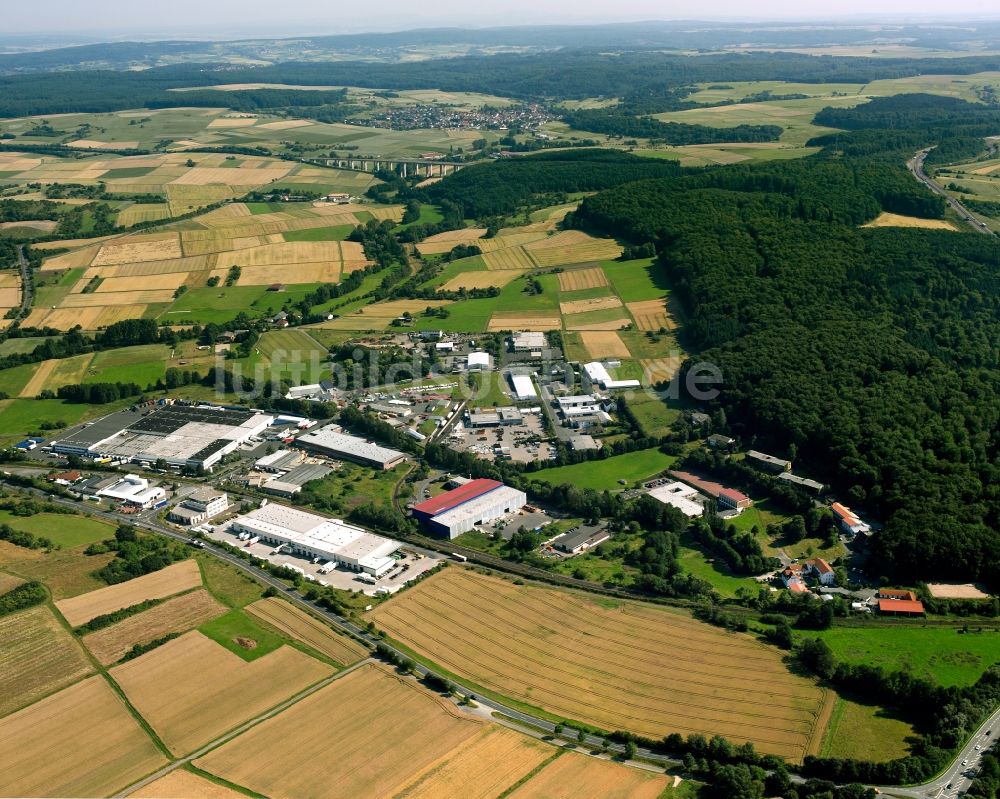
27	285
916	166
953	781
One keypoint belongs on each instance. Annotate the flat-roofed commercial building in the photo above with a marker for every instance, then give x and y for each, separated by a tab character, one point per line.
314	536
524	388
334	443
527	341
476	502
679	495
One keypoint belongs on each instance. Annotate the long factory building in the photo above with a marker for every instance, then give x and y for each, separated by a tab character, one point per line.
476	502
314	536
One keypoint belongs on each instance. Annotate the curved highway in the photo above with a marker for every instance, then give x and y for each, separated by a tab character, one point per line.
916	166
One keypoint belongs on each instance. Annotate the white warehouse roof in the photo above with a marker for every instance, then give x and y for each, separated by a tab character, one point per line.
524	389
330	440
681	496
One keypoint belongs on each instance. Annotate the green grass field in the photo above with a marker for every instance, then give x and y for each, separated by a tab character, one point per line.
17	346
635	281
227	628
865	732
334	233
702	565
21	417
66	530
144	365
943	655
653	414
13	380
605	474
291	354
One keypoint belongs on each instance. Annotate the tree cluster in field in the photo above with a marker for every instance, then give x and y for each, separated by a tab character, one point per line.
138	650
945	717
23	596
135	555
869	353
619	123
107	619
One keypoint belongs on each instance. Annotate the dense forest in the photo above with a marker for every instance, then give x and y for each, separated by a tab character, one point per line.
614	122
869	356
637	77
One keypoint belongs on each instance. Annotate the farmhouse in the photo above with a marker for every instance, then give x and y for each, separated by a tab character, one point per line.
477	502
334	443
678	495
847	520
767	463
598	375
199	506
524	389
314	536
191	436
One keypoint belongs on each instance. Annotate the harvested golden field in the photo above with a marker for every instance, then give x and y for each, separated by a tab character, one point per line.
565	238
133	249
576	253
393	213
290	252
309	630
603	344
191	689
510	240
46	225
156	585
72	259
464	236
109	316
581	322
508	258
182	266
9	297
651	315
8	582
37	657
590	277
576	776
81	741
594	304
482	767
92	144
143	212
207	176
633	667
180	784
885	219
482	280
69	243
171	281
233	122
116	298
956	591
524	321
175	615
328	272
383	730
658	370
10	280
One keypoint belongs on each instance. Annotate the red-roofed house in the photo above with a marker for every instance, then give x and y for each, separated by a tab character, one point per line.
792	578
896	593
823	571
476	502
848	520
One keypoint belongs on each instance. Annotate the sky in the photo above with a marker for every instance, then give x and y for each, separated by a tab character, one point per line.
218	19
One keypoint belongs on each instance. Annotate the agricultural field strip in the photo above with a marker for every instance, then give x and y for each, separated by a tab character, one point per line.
290	620
597	649
652	721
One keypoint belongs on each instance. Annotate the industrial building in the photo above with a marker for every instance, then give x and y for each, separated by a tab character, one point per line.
182	436
528	341
313	536
479	362
199	507
574	542
334	443
497	417
524	388
599	376
477	502
134	491
680	496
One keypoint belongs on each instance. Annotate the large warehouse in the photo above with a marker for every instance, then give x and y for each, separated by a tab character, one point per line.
477	502
316	536
181	435
334	443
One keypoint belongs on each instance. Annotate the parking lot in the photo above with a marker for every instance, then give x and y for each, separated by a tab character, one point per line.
518	442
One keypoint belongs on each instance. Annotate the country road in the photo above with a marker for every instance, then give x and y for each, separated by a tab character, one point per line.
916	166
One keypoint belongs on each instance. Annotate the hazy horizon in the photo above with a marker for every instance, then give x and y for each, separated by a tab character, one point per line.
220	19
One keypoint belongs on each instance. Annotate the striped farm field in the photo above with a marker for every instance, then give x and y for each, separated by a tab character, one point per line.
576	776
159	584
175	615
482	280
300	625
143	212
593	304
651	315
632	667
192	689
575	253
37	656
508	258
81	741
524	321
149	247
181	784
381	728
590	277
604	344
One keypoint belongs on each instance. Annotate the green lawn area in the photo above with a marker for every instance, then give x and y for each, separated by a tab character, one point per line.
13	380
429	215
66	530
334	233
21	417
638	280
17	346
144	365
226	583
865	732
350	486
50	290
944	655
700	564
227	628
631	467
221	304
